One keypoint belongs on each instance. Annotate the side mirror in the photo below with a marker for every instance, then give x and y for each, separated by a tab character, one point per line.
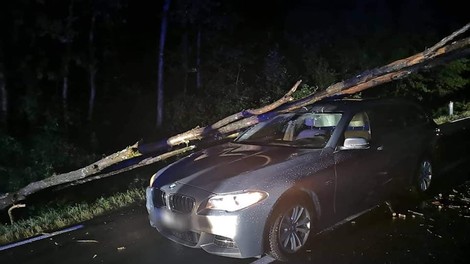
355	143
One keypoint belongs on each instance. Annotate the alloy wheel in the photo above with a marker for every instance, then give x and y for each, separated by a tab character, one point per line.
425	176
294	229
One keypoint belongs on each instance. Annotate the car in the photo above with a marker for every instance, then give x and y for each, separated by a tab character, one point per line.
285	179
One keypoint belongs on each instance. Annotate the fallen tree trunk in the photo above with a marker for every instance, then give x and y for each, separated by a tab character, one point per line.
199	133
90	172
439	53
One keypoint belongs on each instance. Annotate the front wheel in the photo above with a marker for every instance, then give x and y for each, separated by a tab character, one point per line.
291	228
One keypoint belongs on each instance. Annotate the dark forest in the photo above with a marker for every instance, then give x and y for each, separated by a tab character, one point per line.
78	78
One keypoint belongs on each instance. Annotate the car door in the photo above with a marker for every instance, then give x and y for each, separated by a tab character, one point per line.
358	171
415	138
398	140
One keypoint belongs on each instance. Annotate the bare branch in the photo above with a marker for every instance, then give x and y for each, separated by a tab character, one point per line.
243	114
215	130
142	163
445	40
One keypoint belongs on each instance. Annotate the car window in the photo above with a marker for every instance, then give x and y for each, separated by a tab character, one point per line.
305	130
386	119
391	118
359	126
413	115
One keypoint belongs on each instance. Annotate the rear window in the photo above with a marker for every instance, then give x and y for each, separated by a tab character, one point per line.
389	118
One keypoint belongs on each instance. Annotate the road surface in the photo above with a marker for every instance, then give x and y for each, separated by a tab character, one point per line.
431	231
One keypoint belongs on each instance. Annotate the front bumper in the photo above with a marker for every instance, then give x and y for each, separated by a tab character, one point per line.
237	234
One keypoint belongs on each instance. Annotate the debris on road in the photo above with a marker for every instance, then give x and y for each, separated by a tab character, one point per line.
458	199
87	241
416	213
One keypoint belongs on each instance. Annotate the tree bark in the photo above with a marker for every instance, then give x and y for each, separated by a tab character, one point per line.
3	100
141	163
198	59
185	60
125	154
91	68
65	92
438	54
370	78
214	130
161	48
91	100
67	39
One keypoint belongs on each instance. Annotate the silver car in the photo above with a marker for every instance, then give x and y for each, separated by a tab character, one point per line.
287	178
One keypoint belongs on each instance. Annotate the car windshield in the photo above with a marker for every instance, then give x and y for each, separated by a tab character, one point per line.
306	130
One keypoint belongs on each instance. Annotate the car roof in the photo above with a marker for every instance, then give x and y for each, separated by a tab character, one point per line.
347	105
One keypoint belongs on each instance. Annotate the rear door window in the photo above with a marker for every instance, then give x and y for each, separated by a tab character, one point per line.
359	126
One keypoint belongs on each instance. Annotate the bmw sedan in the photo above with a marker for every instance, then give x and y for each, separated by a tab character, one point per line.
286	179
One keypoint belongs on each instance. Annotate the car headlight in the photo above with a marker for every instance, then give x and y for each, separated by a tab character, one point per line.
231	202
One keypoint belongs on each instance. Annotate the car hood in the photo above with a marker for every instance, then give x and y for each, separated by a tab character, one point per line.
232	164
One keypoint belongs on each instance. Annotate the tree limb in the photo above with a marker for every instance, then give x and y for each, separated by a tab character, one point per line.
199	133
445	40
142	163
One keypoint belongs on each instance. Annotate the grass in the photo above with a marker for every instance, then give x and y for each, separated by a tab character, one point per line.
444	119
461	110
49	219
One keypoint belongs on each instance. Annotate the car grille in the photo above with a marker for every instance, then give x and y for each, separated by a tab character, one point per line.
181	203
178	202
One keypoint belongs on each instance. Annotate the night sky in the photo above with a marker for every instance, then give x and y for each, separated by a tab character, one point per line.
279	20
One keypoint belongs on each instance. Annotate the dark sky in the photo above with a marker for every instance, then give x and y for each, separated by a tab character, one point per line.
315	13
298	17
261	19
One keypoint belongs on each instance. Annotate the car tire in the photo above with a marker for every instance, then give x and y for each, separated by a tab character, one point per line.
424	176
291	227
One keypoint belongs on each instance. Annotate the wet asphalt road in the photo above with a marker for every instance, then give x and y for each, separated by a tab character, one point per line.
435	230
121	237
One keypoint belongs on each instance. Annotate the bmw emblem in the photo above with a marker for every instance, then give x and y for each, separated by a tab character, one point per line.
172	186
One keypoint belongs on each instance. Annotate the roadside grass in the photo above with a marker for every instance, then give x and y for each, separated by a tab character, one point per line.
449	118
460	109
49	219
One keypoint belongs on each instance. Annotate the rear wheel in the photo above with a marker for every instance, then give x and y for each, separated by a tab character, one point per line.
425	176
290	229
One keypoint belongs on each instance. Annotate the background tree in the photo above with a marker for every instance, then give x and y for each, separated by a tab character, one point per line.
92	61
66	37
161	49
3	92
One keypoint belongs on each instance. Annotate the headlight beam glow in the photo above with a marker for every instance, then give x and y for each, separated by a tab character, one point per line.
232	202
